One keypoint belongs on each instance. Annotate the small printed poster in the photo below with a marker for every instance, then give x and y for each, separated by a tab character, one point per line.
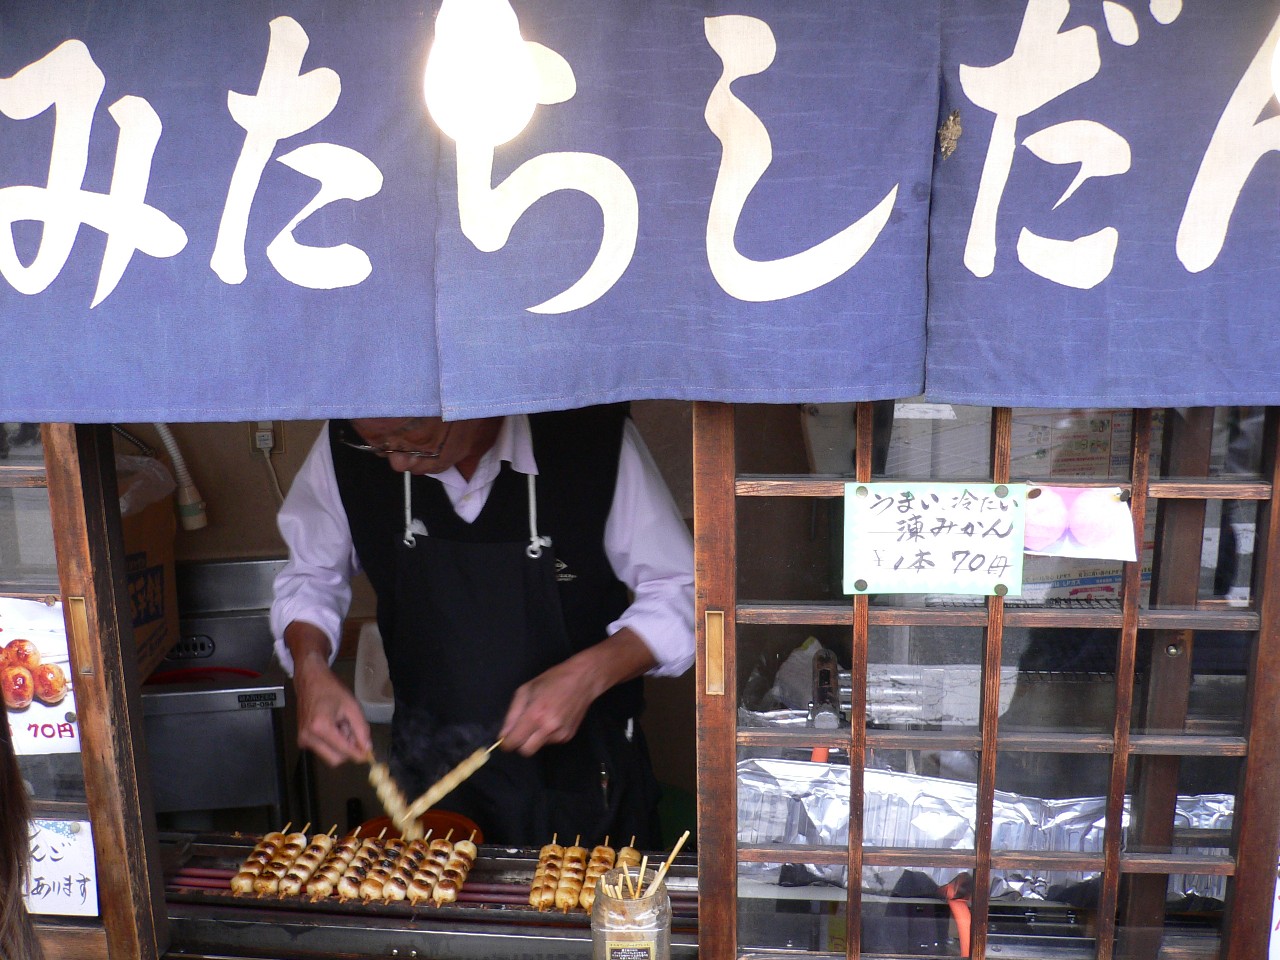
1093	524
63	880
922	537
35	678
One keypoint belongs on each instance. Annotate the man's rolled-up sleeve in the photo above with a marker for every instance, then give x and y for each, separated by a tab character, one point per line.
315	584
651	551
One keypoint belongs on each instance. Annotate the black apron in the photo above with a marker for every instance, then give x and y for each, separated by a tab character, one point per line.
473	622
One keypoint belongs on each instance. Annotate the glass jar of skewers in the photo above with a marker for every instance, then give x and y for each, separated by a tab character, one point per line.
631	916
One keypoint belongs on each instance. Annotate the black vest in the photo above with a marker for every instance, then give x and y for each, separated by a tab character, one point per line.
577	457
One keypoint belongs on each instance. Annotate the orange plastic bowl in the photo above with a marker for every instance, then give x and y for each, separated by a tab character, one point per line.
439	822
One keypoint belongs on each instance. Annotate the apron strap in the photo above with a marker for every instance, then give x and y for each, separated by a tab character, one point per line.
410	540
536	543
413	527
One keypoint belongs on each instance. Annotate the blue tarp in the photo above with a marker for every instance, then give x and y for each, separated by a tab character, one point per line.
244	209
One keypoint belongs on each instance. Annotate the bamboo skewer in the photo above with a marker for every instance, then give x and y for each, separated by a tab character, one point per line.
644	864
662	871
445	785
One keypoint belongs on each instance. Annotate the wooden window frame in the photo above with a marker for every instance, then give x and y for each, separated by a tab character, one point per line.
79	472
1133	883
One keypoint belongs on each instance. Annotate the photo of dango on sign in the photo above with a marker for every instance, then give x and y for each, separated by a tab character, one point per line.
35	678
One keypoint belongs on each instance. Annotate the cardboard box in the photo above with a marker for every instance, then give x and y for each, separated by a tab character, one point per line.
149	575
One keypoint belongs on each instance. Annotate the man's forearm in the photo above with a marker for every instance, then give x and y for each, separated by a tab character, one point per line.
330	721
308	645
550	707
616	659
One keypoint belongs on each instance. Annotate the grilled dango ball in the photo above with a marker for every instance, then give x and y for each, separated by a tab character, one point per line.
17	686
21	653
50	683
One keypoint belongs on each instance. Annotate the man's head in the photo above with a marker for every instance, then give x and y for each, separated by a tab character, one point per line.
425	445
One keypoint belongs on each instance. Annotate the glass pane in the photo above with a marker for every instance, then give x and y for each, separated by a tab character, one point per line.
776	672
938	441
915	911
1237	441
1081	444
1181	804
773	438
905	912
1226	557
932	809
1025	924
20	444
1065	680
790	548
800	795
776	917
1210	701
924	677
41	713
918	677
790	795
911	440
27	561
1052	800
40	698
1181	913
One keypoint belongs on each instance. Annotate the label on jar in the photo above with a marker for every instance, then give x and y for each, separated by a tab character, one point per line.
630	949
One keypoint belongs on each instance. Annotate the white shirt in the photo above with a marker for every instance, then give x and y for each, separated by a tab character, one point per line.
645	539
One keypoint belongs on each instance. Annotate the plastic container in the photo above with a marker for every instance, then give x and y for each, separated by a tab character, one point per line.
631	928
372	682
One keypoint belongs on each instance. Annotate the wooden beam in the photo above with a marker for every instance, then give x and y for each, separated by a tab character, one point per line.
68	942
86	520
1126	659
1257	814
1175	582
715	587
989	723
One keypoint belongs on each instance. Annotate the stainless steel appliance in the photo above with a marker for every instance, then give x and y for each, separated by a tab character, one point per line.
212	709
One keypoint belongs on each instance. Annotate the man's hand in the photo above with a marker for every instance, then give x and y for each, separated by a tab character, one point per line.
330	720
550	707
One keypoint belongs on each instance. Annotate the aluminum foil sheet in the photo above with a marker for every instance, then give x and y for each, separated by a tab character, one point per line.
796	801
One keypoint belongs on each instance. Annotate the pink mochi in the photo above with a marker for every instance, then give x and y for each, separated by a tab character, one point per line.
1045	520
1098	515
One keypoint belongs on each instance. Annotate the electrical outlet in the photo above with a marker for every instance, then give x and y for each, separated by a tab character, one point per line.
266	435
197	647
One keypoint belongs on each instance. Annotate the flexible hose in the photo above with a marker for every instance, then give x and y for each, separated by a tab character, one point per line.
191	510
275	480
144	448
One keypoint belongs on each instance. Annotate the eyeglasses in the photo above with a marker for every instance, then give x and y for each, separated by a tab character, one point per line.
385	449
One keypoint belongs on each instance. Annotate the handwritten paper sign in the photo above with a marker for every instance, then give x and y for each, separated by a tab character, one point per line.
63	880
963	538
46	722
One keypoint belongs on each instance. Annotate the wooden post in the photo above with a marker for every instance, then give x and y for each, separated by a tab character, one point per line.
715	576
86	522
